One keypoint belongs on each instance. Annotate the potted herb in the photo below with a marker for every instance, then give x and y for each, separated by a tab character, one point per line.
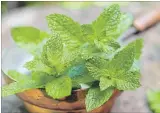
72	56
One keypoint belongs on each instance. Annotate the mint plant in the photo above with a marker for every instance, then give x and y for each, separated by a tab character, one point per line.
74	54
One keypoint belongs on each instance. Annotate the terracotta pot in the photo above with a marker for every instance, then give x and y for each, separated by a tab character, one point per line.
36	101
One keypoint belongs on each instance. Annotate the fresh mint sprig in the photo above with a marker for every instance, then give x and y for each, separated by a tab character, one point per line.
75	54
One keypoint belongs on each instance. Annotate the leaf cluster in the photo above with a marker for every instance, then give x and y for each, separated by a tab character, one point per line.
75	54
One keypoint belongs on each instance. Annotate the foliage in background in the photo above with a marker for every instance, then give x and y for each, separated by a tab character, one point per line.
75	54
3	7
70	5
154	100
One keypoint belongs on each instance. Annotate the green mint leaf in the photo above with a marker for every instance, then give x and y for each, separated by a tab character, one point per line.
127	81
88	32
37	65
113	43
17	87
42	78
69	30
59	87
95	98
96	67
52	53
16	76
29	38
105	83
124	58
98	61
108	21
96	72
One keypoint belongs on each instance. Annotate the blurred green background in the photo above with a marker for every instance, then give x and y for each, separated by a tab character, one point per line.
9	5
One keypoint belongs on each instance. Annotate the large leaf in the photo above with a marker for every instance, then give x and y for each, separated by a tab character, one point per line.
69	30
95	98
29	38
59	87
107	23
127	81
124	58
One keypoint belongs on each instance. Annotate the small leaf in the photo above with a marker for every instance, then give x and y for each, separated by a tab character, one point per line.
95	98
16	76
17	87
59	87
105	83
37	65
29	38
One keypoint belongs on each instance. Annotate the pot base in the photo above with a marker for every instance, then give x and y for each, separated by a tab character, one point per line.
105	108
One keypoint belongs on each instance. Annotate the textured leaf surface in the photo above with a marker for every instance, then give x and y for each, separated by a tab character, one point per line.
16	76
107	23
88	32
52	53
17	87
96	72
59	87
124	59
105	83
37	65
95	98
69	30
128	81
29	38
